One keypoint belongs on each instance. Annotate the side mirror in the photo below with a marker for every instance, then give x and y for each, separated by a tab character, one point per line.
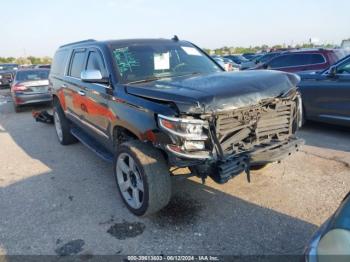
332	71
93	76
265	66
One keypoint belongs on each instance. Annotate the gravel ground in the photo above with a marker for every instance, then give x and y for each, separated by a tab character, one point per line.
63	200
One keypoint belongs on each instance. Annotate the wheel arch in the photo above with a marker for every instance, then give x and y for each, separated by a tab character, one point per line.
122	134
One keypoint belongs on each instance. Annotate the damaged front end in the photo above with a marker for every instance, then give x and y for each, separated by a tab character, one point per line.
226	143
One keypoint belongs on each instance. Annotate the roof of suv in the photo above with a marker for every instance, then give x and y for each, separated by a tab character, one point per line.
120	42
310	50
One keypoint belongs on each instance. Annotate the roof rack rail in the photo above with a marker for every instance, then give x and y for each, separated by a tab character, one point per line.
79	42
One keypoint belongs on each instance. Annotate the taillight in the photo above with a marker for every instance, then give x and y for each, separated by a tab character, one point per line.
19	88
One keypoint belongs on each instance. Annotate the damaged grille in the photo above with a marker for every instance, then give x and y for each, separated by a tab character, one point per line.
242	129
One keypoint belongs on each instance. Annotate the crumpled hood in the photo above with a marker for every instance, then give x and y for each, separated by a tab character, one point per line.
218	91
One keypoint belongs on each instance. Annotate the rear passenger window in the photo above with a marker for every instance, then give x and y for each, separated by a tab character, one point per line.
95	62
280	61
290	60
316	59
77	64
59	62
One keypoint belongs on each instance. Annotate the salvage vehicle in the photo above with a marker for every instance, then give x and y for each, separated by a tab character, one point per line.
30	86
331	242
149	105
7	72
326	94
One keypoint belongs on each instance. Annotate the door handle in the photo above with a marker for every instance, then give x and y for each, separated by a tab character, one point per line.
82	93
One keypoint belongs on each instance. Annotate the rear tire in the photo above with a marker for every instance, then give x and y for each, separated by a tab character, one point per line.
142	177
62	125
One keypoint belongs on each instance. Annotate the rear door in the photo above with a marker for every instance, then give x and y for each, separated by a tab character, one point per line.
97	115
74	95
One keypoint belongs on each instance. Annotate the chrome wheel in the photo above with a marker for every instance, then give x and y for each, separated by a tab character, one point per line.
130	181
58	126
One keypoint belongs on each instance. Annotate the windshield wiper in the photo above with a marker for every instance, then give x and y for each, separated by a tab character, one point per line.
151	79
189	74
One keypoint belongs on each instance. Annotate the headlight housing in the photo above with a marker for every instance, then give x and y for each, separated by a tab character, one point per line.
189	129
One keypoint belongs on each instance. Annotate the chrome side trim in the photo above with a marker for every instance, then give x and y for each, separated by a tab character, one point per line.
346	118
101	133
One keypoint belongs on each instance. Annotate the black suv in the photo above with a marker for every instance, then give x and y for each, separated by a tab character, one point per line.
152	104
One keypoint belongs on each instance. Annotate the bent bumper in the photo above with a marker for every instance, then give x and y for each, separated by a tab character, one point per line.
23	99
275	152
223	170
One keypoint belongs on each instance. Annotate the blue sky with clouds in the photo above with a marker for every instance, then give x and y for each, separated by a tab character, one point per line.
38	27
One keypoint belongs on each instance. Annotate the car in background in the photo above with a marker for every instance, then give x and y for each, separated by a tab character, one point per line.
326	94
248	55
259	60
224	63
332	241
47	66
303	60
230	65
238	59
30	86
7	72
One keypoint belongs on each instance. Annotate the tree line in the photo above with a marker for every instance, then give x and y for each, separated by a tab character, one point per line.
30	60
254	49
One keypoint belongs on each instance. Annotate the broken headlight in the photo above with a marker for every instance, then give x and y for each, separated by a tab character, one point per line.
189	129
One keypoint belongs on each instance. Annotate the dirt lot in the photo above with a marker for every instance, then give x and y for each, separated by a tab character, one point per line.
63	200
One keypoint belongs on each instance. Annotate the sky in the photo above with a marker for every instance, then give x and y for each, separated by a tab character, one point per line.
38	27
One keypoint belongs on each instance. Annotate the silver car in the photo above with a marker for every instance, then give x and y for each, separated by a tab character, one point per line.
30	86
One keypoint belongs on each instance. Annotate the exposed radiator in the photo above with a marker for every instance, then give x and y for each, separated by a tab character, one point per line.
243	129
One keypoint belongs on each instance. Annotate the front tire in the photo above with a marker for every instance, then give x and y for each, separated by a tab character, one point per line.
62	125
142	177
258	167
17	108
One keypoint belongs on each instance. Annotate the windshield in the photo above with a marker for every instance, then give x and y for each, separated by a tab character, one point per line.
32	75
142	62
8	67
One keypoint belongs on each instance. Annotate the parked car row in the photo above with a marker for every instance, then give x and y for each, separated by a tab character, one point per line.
8	71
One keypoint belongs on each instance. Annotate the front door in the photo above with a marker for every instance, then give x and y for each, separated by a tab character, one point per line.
97	115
